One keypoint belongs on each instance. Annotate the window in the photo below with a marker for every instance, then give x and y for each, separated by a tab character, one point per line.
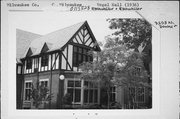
19	69
28	88
138	93
74	89
81	55
29	64
44	60
113	94
44	82
90	92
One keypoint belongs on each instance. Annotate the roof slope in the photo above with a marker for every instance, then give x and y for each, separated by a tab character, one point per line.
57	39
23	40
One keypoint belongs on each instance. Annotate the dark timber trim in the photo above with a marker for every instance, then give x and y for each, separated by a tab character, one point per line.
67	57
80	38
66	61
90	44
88	39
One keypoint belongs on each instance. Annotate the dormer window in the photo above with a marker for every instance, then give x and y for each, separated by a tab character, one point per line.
44	60
29	64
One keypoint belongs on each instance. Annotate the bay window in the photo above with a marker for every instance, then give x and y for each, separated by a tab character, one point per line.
74	89
82	92
90	92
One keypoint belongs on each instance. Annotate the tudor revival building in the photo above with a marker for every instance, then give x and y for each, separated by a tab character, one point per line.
48	57
53	60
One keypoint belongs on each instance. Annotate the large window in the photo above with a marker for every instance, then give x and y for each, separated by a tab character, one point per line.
113	94
90	92
86	90
44	83
28	88
138	93
74	89
44	60
29	64
81	55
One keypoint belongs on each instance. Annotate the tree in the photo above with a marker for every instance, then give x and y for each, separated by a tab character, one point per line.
40	94
130	32
117	62
110	65
133	33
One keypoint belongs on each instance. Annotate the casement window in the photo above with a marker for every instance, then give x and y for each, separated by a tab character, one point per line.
44	60
113	94
138	93
27	90
90	92
29	64
81	55
82	92
44	82
74	89
36	65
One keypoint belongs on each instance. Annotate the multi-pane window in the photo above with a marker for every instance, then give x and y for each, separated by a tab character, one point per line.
90	92
44	83
138	93
29	64
113	94
81	55
44	60
28	88
74	89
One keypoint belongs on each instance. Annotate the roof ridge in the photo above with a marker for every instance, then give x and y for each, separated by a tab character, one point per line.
63	28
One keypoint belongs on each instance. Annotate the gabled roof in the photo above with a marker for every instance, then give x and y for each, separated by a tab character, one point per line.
56	40
50	42
23	40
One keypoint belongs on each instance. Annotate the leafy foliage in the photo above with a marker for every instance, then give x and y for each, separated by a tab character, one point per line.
119	63
130	32
40	94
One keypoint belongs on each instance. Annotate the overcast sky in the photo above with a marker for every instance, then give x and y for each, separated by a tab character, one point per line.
47	22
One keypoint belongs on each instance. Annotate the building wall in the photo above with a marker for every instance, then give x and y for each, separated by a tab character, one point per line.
54	86
19	88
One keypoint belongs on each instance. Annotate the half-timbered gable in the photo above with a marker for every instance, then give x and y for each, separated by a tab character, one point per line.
63	49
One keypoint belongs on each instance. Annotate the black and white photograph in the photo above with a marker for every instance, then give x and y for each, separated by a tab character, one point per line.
90	59
71	69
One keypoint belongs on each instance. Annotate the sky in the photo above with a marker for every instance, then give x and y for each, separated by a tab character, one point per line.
46	22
